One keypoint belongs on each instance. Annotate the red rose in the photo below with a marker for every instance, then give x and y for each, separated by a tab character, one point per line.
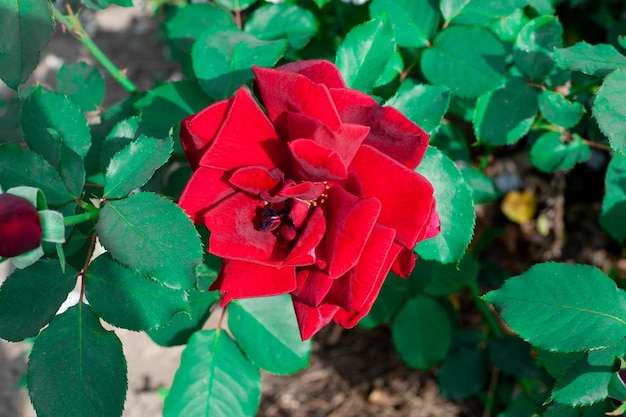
317	197
20	226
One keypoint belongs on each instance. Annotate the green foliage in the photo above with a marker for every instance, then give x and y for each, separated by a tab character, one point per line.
153	236
223	59
414	22
26	28
613	216
214	378
47	287
598	60
422	332
362	56
126	299
424	104
552	152
82	83
609	108
266	330
559	110
583	306
134	165
454	206
533	48
77	368
467	59
283	21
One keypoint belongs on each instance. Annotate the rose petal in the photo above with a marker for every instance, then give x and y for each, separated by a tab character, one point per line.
234	234
314	162
284	91
406	196
318	71
391	132
350	319
434	227
254	180
245	280
198	130
345	140
20	226
313	288
245	138
304	190
349	224
351	290
312	319
404	263
206	187
304	251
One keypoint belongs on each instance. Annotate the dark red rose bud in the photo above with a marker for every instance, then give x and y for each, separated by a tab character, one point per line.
20	226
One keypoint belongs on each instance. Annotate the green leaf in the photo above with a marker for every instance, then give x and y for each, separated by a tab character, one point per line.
422	333
451	140
463	373
597	60
504	116
557	363
46	128
82	83
483	188
396	292
128	300
363	54
468	60
267	331
233	5
153	236
583	306
214	379
512	355
451	278
609	108
422	103
52	226
19	166
134	165
507	28
72	171
549	153
47	287
485	12
533	49
542	6
393	69
121	135
10	128
559	110
613	216
27	27
452	8
184	325
454	206
414	23
77	368
587	381
283	21
164	106
223	59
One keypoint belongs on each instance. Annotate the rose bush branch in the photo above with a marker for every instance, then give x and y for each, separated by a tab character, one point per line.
74	26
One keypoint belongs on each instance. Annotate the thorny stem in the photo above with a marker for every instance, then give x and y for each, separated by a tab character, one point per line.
73	24
80	218
237	14
83	272
597	145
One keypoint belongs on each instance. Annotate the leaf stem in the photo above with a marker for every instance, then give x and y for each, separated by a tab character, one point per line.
492	323
83	272
73	24
81	218
597	145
